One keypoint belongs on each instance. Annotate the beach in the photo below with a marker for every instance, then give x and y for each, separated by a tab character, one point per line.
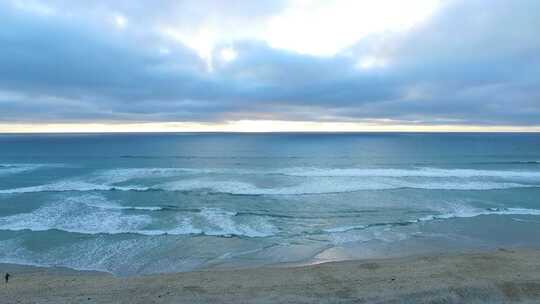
501	276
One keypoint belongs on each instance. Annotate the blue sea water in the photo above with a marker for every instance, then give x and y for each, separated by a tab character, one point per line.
148	203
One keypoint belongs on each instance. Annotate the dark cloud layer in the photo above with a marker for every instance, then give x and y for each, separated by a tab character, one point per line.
473	62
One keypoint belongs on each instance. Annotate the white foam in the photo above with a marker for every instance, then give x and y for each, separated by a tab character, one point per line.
105	204
463	185
114	176
459	212
471	212
525	221
312	186
120	175
184	226
217	222
8	169
233	187
420	172
224	224
96	254
73	215
94	214
88	214
147	208
334	185
69	186
316	181
344	228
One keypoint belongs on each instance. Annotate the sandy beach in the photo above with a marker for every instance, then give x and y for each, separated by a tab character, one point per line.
504	276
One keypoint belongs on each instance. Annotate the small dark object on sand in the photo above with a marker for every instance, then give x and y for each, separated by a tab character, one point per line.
7	277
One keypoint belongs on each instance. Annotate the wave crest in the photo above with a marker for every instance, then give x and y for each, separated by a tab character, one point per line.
94	214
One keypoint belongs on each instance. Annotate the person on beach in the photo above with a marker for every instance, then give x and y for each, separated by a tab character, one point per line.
7	277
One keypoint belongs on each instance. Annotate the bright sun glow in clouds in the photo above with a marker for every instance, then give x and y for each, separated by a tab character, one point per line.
120	21
228	54
325	28
319	28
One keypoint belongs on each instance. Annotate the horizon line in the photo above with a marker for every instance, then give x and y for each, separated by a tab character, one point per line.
278	132
257	126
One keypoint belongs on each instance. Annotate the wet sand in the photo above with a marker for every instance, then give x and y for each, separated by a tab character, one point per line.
504	276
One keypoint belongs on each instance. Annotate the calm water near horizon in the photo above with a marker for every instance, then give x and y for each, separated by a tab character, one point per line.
147	203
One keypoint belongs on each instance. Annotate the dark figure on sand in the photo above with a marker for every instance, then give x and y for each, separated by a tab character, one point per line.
7	277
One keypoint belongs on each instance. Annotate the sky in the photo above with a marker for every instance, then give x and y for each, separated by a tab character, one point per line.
269	65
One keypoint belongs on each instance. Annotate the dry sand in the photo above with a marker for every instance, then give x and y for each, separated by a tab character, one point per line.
497	277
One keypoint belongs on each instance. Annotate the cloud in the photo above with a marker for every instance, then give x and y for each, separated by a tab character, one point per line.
471	62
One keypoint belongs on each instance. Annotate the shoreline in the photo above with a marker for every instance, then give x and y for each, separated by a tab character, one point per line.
502	276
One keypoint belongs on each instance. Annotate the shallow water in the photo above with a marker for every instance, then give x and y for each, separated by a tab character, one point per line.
145	203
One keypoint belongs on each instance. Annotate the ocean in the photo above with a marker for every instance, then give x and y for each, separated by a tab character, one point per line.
135	204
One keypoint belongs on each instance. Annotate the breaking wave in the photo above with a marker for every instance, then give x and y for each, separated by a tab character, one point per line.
69	186
420	172
316	186
8	169
304	180
94	214
460	213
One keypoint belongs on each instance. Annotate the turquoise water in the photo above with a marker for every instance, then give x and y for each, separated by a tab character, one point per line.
146	203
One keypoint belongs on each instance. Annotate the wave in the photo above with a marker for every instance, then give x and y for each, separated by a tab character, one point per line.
217	222
510	162
224	224
329	186
63	186
8	169
111	206
313	181
345	228
419	172
119	175
494	162
94	214
95	254
344	214
73	215
474	213
311	187
525	221
461	213
115	176
128	156
99	201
